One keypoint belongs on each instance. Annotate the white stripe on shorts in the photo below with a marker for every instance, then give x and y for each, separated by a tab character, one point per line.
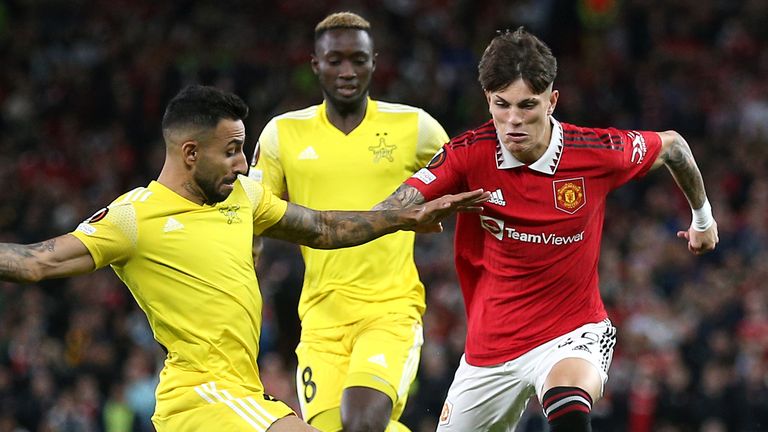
412	362
259	421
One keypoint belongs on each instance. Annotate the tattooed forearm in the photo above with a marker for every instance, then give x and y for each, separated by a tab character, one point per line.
46	246
680	162
333	229
404	196
12	260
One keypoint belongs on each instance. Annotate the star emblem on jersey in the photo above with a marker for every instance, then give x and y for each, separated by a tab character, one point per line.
497	198
172	225
231	213
378	359
570	194
382	150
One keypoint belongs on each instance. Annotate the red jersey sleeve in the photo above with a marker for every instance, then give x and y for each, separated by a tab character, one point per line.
640	150
444	174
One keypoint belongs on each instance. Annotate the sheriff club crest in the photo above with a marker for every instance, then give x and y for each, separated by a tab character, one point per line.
382	150
570	194
230	212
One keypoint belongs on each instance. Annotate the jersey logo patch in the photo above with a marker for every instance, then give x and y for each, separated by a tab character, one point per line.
582	348
570	194
493	226
172	225
308	153
99	215
378	359
256	174
497	198
382	150
445	414
231	213
86	229
437	159
638	147
425	176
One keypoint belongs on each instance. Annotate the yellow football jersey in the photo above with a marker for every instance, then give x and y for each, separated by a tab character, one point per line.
190	269
320	167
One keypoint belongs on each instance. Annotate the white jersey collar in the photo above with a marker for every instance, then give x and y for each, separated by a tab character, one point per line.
546	164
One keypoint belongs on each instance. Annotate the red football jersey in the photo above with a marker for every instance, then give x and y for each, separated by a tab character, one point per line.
528	264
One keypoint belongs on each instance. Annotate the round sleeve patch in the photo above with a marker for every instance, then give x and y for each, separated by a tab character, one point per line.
99	215
437	159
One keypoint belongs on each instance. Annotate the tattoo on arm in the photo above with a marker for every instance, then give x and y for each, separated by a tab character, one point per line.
680	162
404	196
13	256
332	229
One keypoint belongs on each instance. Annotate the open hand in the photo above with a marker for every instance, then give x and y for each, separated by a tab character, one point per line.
427	216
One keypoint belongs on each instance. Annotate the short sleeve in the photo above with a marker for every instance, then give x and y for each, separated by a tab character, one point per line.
442	175
431	138
640	150
110	235
265	163
267	207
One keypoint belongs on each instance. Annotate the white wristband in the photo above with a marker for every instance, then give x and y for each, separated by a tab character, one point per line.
702	218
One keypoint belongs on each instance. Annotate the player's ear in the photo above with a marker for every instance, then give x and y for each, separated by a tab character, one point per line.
552	101
189	150
314	63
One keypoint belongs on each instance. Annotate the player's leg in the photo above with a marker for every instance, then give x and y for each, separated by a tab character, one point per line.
323	360
365	409
577	372
383	365
486	398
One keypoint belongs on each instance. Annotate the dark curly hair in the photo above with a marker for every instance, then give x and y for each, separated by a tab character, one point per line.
514	55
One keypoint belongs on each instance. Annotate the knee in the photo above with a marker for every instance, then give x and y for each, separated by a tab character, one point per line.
365	410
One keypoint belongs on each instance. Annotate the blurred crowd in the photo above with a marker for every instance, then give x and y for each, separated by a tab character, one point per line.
83	85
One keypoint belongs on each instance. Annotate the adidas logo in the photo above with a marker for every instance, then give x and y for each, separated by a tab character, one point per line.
497	198
172	225
378	359
308	153
582	348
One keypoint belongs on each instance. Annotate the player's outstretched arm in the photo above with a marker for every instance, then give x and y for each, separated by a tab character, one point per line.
337	229
405	195
676	155
58	257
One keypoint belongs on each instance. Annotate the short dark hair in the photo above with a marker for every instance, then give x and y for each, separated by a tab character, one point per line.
204	107
514	55
342	20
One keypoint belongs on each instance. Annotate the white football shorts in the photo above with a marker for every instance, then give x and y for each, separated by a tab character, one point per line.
485	398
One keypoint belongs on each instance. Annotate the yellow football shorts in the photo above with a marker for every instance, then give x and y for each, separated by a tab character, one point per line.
217	406
380	352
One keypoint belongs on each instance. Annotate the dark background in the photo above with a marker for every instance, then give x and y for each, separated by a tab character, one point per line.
83	85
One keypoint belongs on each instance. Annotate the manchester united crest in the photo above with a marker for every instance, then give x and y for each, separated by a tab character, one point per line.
570	194
445	414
